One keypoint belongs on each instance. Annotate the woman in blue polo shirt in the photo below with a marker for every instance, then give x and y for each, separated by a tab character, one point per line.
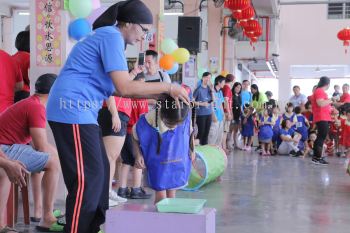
96	69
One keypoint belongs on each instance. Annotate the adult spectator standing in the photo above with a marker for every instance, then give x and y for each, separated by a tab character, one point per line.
10	80
259	98
203	101
246	95
236	110
336	92
271	103
153	73
227	92
321	108
22	59
217	126
298	99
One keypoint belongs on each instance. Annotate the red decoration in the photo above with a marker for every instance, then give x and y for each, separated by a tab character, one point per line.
344	35
248	13
244	15
252	26
237	5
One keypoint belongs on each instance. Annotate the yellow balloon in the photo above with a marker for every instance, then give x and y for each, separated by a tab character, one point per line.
181	55
224	73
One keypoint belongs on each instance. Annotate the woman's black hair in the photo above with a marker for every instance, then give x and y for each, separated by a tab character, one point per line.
23	41
219	79
284	123
170	111
324	81
206	74
234	87
130	11
257	93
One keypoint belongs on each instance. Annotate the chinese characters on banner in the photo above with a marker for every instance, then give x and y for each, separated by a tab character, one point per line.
48	33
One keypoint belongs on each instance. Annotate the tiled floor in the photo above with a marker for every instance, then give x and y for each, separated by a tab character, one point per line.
277	195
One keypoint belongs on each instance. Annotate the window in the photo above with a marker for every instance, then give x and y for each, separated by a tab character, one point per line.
339	10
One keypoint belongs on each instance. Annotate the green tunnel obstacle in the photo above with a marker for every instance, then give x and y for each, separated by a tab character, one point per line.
210	163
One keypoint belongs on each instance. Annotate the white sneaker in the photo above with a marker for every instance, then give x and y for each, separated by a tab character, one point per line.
114	196
112	203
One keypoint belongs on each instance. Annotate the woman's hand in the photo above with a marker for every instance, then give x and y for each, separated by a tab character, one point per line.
116	124
140	162
179	93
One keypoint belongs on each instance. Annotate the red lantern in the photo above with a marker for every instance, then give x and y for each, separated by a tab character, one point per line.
344	35
252	26
248	13
258	32
244	15
237	5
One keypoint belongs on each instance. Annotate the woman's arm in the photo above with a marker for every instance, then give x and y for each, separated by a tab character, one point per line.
323	102
128	88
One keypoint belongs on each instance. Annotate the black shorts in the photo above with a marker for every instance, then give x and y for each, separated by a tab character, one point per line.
127	152
105	122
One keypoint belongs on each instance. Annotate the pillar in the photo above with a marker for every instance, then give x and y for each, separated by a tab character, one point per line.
284	87
214	37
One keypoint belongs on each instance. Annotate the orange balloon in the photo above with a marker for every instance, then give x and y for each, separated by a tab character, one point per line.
166	62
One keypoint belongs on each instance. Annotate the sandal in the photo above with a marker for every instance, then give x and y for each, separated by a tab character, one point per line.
55	227
57	213
8	230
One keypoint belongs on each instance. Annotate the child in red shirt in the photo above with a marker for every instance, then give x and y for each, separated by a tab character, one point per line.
138	107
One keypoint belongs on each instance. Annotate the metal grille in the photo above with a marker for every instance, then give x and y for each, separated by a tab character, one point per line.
339	10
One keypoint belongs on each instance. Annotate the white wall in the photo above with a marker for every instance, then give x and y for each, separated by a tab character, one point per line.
308	37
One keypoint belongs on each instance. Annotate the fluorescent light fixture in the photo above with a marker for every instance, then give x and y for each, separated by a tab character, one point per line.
174	13
270	68
23	13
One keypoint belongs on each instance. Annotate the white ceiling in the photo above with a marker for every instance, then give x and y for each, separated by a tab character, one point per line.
313	71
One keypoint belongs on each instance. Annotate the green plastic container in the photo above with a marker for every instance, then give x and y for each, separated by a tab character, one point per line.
180	205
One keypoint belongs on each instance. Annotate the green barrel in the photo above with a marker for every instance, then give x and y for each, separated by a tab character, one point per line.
210	163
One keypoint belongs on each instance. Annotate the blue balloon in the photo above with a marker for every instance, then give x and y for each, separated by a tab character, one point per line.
174	69
79	29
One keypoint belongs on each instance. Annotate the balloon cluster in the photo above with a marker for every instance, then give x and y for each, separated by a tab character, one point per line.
173	56
81	9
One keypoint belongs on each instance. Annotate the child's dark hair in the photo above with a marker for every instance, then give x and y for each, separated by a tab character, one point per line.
297	110
288	105
312	132
307	105
219	79
284	123
170	111
139	76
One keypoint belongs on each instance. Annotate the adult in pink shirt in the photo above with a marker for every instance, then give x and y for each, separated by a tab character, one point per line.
321	108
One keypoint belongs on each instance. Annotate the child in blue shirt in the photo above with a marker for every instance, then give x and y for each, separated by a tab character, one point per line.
302	126
277	119
291	116
265	132
164	143
248	127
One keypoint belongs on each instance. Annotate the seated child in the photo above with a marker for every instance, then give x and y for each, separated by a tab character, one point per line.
289	144
309	150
